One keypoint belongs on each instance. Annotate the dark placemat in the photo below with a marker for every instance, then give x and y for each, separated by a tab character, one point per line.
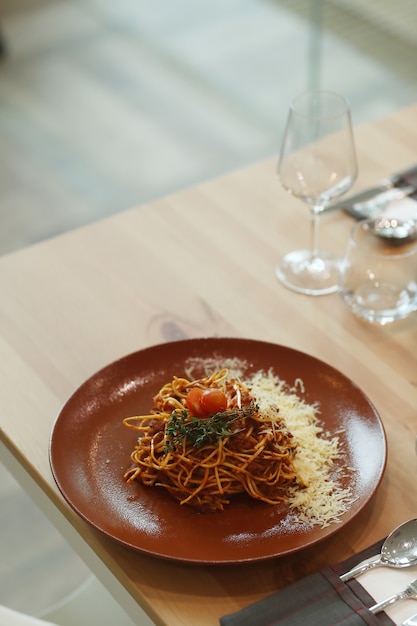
320	599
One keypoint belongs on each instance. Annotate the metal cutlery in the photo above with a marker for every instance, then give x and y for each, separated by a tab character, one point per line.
398	550
371	201
409	593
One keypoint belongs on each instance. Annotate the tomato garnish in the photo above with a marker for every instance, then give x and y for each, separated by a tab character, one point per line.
193	402
203	403
213	401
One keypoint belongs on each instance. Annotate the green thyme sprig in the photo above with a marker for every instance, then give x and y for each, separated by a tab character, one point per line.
183	427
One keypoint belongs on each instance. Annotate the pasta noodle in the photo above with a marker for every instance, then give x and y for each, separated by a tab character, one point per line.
203	461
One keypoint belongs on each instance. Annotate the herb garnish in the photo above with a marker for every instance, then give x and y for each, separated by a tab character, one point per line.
198	432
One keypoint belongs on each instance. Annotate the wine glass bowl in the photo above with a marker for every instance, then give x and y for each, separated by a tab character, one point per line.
317	164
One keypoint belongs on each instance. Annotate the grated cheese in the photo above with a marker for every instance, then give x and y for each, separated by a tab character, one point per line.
323	499
195	365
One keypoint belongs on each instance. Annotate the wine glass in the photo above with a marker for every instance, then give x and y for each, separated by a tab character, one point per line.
317	163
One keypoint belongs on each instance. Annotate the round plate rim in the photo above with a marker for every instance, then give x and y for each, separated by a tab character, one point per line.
215	341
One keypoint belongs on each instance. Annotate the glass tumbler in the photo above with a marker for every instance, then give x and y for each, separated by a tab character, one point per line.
378	277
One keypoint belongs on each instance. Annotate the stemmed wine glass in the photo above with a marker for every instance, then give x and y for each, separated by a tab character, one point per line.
317	164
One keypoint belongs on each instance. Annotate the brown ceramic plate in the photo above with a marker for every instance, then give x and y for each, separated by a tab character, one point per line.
90	451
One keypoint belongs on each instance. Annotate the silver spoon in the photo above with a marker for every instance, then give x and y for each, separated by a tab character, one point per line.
398	550
396	230
409	593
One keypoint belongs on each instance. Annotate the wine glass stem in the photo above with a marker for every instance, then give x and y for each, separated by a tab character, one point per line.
315	212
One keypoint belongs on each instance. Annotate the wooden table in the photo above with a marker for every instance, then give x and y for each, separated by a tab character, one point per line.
199	263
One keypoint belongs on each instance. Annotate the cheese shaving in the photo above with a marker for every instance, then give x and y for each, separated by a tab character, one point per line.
323	499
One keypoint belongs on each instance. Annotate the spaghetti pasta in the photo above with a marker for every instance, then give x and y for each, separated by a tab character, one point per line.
204	461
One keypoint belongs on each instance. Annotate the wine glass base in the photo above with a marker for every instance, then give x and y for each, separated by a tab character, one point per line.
312	276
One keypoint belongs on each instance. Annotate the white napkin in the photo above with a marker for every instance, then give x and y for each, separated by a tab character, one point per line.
403	209
383	582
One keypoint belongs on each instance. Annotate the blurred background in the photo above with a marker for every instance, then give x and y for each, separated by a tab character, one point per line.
105	105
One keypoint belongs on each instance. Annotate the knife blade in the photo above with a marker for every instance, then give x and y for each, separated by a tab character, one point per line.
372	201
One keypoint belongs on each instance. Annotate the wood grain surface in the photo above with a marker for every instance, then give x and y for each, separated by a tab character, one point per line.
201	263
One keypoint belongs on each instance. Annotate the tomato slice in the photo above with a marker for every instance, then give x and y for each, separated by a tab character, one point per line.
213	401
193	402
